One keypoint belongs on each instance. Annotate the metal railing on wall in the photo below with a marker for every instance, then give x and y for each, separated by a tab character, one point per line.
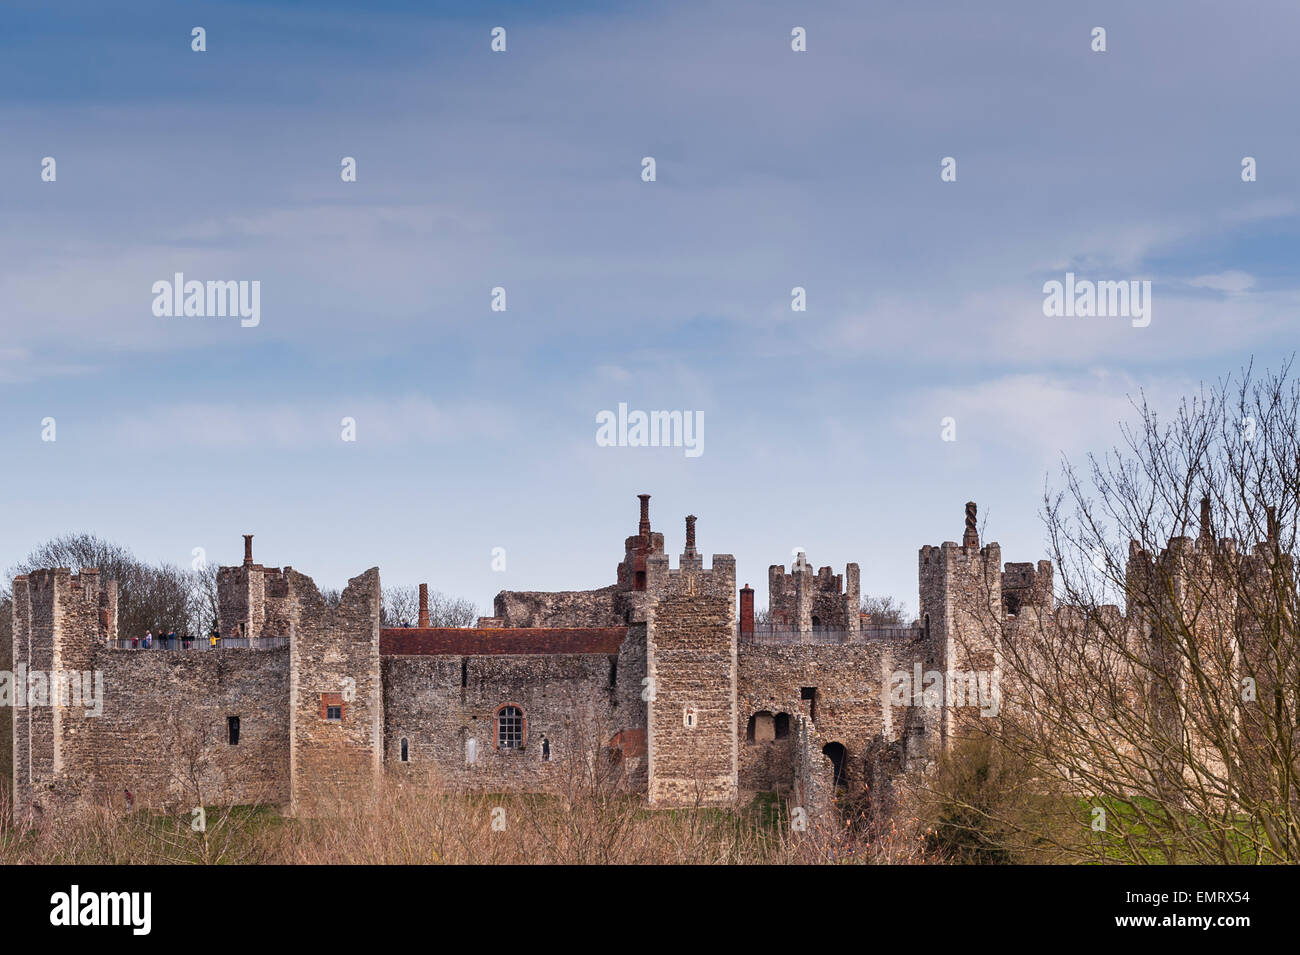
788	637
200	643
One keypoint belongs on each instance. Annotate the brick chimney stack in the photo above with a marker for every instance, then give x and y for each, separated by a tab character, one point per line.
746	609
424	605
248	549
644	528
971	538
690	534
1206	530
1272	523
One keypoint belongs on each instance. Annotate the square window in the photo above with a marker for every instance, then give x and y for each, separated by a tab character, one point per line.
334	713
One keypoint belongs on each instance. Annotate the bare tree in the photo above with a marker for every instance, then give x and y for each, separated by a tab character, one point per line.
885	611
1162	690
401	606
150	597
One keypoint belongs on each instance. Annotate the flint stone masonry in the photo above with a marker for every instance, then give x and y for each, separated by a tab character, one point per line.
850	695
804	601
574	608
654	673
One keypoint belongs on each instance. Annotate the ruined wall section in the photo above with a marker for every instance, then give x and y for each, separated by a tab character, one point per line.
814	775
1026	586
254	601
334	662
569	608
849	692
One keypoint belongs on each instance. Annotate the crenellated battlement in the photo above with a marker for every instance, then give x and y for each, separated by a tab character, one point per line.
804	602
700	704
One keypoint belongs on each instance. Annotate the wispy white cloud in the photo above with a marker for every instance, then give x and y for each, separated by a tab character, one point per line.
410	421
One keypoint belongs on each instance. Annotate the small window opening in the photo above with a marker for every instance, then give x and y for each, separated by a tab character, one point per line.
406	752
464	672
809	693
781	725
546	748
334	713
232	729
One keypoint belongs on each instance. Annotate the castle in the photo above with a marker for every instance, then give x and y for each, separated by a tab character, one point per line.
664	672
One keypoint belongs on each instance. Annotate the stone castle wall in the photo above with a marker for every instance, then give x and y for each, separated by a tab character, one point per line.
843	689
570	608
672	702
446	707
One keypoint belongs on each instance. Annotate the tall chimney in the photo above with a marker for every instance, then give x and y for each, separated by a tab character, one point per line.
971	538
424	605
644	528
248	549
1206	530
746	609
690	534
1272	523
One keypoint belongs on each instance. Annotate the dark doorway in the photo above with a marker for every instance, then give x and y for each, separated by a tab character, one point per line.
838	757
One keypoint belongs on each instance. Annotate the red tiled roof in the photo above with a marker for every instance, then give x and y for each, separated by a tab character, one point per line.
471	641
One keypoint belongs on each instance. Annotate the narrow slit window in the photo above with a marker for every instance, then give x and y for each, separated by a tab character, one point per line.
232	730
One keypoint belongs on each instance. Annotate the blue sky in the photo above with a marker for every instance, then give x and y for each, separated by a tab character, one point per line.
476	429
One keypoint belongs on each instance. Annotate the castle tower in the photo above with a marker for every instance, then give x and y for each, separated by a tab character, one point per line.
804	601
60	619
691	660
961	609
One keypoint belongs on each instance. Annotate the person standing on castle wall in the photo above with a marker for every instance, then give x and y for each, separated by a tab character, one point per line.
171	638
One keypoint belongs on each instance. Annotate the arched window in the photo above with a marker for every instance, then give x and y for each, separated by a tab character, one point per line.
761	728
406	753
510	727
